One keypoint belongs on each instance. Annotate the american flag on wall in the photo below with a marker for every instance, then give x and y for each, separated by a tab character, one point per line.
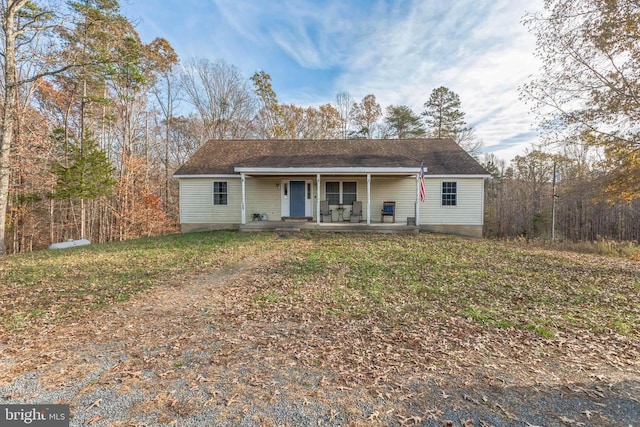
423	191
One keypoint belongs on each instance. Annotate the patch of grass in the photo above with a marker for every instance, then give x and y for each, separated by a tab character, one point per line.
605	247
544	332
62	284
123	297
495	284
37	312
384	278
17	322
487	318
622	327
268	298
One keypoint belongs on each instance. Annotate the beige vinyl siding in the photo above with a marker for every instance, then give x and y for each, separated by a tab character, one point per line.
263	195
361	194
469	208
196	202
401	190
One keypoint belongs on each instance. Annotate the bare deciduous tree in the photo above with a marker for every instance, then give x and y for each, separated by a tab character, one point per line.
343	105
468	140
365	116
222	96
167	92
26	56
310	122
587	88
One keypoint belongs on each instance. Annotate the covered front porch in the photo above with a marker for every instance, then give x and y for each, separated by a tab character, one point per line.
270	198
293	225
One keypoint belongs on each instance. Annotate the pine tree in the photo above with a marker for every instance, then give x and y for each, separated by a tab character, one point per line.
88	173
443	115
403	123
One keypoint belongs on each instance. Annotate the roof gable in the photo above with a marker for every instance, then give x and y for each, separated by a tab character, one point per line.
440	156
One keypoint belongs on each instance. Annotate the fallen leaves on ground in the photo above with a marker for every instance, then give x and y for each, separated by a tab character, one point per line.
286	321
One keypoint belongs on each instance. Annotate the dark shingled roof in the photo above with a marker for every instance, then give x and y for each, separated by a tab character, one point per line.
440	156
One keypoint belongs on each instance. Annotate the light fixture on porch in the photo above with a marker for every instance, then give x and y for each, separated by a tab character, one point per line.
277	185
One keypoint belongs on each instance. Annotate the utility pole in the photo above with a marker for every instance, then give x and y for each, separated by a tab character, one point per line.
553	206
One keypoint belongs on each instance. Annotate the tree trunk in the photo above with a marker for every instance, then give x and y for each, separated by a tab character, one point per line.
8	112
83	218
167	137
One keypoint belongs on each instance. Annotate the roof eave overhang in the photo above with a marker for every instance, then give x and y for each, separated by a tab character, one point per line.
327	171
206	175
458	175
333	171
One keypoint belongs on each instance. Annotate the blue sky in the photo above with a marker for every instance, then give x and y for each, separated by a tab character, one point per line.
397	50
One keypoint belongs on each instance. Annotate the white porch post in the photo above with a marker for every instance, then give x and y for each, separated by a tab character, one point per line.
417	199
368	199
318	199
243	210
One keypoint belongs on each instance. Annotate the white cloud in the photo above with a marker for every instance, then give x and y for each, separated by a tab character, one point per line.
399	51
477	49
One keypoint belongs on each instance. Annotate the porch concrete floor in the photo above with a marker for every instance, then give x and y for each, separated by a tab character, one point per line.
362	227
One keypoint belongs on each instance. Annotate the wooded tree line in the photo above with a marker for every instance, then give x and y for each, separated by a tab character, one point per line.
77	155
586	100
95	121
520	199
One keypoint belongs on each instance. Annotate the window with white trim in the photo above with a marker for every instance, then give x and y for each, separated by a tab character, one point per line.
220	193
449	193
332	191
349	193
341	193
